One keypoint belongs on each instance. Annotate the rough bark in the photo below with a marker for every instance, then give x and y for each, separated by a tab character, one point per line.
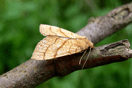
33	72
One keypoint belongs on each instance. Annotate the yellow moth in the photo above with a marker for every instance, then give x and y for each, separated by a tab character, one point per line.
59	42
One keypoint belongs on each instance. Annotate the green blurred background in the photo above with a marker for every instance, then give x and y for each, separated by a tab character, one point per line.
19	34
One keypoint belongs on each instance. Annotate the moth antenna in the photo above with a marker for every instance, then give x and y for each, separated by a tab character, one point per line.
82	57
86	59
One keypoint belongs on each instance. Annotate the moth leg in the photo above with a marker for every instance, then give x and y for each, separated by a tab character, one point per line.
82	57
86	59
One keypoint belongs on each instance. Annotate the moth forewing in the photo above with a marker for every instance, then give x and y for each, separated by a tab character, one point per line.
56	31
59	42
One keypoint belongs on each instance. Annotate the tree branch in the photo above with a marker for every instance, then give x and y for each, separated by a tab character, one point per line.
34	72
102	27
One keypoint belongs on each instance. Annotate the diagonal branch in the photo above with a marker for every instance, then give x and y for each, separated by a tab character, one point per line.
33	72
102	27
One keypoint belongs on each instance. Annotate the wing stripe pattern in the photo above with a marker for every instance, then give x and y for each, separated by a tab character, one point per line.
59	48
48	47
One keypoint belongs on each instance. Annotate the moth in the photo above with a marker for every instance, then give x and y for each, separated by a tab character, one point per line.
59	42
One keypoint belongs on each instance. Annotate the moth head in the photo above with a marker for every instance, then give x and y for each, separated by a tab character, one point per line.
91	45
